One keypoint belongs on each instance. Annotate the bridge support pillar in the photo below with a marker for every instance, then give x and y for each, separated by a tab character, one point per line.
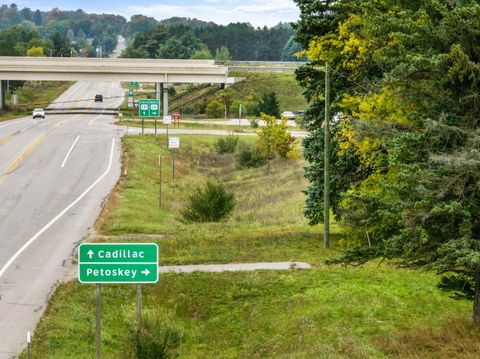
158	90
3	90
165	99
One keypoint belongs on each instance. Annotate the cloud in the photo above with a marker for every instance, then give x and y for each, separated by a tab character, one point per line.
264	6
161	10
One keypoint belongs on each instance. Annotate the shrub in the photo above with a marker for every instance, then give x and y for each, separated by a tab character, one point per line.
249	156
226	144
215	109
211	203
274	139
158	338
254	123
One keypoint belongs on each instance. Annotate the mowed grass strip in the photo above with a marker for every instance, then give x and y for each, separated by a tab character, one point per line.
34	94
330	312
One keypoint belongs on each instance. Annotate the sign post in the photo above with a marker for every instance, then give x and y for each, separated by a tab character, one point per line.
28	345
160	183
173	144
116	263
98	321
167	120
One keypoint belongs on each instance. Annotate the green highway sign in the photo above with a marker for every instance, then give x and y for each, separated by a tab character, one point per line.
118	263
149	108
134	83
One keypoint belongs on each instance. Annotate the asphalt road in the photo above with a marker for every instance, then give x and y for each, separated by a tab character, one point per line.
54	176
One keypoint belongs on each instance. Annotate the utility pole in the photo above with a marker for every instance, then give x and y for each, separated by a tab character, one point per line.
326	169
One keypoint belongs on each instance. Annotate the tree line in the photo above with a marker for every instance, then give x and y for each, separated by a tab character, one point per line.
237	41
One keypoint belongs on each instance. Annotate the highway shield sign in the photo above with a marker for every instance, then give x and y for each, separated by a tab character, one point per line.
149	108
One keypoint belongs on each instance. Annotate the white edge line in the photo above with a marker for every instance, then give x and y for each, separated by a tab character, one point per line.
70	151
49	224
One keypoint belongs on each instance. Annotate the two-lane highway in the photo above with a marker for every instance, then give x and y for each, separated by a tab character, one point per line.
54	175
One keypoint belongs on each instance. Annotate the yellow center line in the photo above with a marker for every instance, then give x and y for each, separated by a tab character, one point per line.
22	157
57	125
5	139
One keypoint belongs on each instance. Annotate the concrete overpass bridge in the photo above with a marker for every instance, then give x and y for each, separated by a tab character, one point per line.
161	72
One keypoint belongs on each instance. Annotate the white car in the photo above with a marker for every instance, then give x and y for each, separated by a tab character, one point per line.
289	115
38	112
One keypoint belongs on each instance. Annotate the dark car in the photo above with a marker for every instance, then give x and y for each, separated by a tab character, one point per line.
98	98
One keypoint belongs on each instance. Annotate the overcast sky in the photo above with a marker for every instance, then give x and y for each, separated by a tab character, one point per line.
256	12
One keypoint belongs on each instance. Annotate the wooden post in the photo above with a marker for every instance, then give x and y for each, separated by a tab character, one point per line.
98	323
326	182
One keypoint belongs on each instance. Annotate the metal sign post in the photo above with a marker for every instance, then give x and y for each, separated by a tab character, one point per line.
28	345
173	144
167	120
160	183
98	322
139	308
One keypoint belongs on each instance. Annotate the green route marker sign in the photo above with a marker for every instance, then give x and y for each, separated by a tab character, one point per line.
118	263
149	108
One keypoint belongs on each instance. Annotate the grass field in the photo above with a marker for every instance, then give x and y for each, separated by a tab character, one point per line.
34	94
326	312
288	91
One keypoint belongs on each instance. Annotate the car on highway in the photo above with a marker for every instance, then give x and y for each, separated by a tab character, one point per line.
98	98
289	115
38	112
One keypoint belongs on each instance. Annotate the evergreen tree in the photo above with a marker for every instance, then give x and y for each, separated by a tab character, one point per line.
222	54
269	105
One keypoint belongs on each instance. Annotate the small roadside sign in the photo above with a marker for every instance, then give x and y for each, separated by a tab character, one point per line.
130	92
174	142
176	116
134	83
167	120
118	263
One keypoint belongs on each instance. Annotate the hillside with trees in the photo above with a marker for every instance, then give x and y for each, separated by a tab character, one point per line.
238	41
57	32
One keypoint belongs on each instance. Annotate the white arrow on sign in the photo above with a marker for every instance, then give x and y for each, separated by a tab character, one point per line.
146	272
90	253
